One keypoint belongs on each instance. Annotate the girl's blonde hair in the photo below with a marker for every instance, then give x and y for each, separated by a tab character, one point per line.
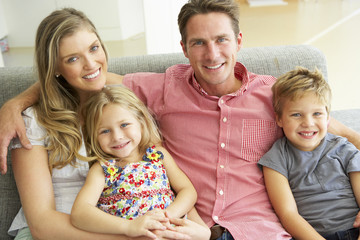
298	82
126	99
57	109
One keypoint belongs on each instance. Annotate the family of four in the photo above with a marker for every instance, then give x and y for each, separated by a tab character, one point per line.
173	155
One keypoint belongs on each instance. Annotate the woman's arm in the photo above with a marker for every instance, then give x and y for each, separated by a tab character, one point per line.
34	184
184	202
86	216
12	124
186	195
285	207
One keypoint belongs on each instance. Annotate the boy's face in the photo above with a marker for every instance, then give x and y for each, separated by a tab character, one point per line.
304	121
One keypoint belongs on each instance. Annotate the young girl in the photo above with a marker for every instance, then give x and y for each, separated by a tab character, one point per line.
312	177
131	177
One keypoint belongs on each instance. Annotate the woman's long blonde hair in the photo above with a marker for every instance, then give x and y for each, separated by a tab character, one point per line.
58	106
126	99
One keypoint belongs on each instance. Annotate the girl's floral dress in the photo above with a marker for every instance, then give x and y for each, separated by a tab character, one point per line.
139	187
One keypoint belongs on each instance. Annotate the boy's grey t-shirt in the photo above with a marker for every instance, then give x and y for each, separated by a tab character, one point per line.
319	180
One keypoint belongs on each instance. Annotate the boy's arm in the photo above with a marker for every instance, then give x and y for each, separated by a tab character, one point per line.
12	124
355	184
285	207
186	195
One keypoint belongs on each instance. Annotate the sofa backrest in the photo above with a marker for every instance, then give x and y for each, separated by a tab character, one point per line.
273	61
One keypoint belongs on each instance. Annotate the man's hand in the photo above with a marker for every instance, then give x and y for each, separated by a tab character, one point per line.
11	126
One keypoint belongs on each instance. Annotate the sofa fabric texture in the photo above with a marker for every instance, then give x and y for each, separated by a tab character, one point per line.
273	60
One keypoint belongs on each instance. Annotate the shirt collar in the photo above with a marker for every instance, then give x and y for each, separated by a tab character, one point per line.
241	74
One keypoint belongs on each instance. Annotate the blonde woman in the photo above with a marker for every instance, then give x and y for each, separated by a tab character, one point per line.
72	64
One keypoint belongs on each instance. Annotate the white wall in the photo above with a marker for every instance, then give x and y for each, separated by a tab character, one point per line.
161	29
22	18
104	15
3	30
3	26
114	19
131	17
1	60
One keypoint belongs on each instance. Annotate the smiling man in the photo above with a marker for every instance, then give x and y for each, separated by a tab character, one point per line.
217	121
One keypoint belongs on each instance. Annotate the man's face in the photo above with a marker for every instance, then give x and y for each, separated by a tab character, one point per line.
211	47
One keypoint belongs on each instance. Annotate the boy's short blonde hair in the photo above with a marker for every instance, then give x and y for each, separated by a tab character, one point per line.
298	82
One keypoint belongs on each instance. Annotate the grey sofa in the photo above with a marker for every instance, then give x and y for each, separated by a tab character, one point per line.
263	60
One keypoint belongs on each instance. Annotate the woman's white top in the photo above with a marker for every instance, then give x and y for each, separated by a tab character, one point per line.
67	181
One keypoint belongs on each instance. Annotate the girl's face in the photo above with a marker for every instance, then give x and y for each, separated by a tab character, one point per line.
82	62
119	132
304	121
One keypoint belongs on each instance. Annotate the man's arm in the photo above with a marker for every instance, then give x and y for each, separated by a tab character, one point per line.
337	128
12	124
113	78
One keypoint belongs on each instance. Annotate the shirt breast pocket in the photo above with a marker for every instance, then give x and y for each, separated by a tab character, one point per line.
331	175
258	136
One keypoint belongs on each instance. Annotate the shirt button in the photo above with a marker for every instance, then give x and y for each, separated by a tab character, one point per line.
221	192
224	119
222	101
222	145
221	166
215	218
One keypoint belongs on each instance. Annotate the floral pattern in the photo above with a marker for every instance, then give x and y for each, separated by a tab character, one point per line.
139	187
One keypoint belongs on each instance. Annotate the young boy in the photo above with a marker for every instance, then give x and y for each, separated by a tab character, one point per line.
312	177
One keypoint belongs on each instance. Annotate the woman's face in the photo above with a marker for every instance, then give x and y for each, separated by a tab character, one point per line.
82	62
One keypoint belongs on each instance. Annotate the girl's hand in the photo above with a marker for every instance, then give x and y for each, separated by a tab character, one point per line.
142	226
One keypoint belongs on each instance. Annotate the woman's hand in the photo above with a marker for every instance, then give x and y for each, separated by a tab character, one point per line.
143	225
190	228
